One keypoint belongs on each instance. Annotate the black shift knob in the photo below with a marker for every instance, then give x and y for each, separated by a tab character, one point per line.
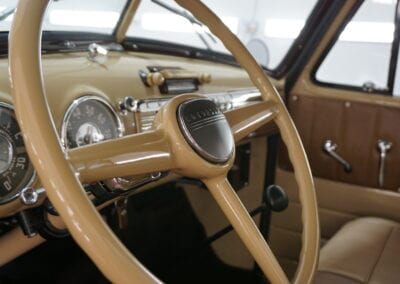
276	198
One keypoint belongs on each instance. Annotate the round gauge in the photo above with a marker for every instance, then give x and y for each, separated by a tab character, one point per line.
16	170
89	120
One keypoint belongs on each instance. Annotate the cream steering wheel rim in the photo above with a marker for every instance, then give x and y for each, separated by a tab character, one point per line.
65	190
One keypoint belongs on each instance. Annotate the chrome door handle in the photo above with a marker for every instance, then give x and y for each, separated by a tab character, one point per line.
330	148
383	148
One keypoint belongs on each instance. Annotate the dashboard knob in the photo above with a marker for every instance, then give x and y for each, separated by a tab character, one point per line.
30	196
128	104
205	78
155	79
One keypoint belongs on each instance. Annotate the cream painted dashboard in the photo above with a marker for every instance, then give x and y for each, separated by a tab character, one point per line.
68	76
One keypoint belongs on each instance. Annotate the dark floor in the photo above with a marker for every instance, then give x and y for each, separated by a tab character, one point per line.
164	234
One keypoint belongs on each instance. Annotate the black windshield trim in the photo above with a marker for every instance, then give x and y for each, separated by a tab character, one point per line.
162	47
57	41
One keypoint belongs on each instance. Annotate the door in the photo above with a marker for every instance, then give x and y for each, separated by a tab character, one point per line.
345	103
345	107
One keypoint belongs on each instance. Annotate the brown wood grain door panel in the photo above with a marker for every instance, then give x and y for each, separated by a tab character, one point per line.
356	128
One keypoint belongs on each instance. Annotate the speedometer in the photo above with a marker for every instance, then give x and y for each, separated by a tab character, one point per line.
88	120
16	170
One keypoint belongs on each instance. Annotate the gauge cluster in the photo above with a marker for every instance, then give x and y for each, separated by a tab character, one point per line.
16	170
88	119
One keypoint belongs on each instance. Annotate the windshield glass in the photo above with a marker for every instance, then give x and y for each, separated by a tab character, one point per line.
268	28
100	16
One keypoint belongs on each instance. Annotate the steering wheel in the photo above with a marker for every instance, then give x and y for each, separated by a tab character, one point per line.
190	137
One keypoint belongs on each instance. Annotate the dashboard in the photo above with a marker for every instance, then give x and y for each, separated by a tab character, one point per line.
98	99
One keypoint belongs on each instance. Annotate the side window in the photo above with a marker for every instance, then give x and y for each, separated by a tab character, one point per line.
361	56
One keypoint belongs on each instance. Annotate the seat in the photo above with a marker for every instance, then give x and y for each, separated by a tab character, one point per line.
366	250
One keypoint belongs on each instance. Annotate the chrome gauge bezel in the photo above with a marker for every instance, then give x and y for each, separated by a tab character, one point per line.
32	178
76	103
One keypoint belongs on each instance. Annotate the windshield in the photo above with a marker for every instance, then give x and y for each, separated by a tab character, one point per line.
100	16
267	27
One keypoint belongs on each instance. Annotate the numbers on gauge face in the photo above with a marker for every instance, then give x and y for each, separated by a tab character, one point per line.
90	120
16	170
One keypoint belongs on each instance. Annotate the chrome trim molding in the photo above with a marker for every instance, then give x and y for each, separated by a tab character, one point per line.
148	108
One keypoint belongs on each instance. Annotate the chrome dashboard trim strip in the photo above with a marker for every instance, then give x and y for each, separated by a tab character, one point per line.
146	109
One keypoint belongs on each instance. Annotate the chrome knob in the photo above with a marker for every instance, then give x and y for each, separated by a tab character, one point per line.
95	50
30	196
128	104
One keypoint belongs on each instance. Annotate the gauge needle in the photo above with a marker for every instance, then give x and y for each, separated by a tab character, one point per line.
88	136
92	135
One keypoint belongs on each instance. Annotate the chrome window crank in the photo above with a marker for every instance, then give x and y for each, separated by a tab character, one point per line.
330	148
383	148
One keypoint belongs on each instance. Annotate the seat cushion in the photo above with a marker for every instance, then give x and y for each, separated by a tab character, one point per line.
366	250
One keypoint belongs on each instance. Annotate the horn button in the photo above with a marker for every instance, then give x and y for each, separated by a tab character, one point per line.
206	130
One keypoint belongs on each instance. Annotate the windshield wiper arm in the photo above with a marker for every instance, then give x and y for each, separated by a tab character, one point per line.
191	19
6	13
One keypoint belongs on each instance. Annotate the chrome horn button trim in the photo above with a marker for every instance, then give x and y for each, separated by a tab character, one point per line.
206	130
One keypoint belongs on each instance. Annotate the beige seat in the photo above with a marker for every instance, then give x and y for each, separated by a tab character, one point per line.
366	250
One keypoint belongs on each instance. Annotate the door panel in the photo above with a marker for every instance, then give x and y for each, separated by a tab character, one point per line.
356	128
355	119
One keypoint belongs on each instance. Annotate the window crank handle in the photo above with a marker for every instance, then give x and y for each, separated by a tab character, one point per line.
330	148
383	148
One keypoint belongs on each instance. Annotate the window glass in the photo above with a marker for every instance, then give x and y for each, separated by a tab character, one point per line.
361	55
267	27
100	16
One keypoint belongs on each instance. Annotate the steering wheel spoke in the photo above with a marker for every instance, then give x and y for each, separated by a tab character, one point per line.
245	227
137	154
246	120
